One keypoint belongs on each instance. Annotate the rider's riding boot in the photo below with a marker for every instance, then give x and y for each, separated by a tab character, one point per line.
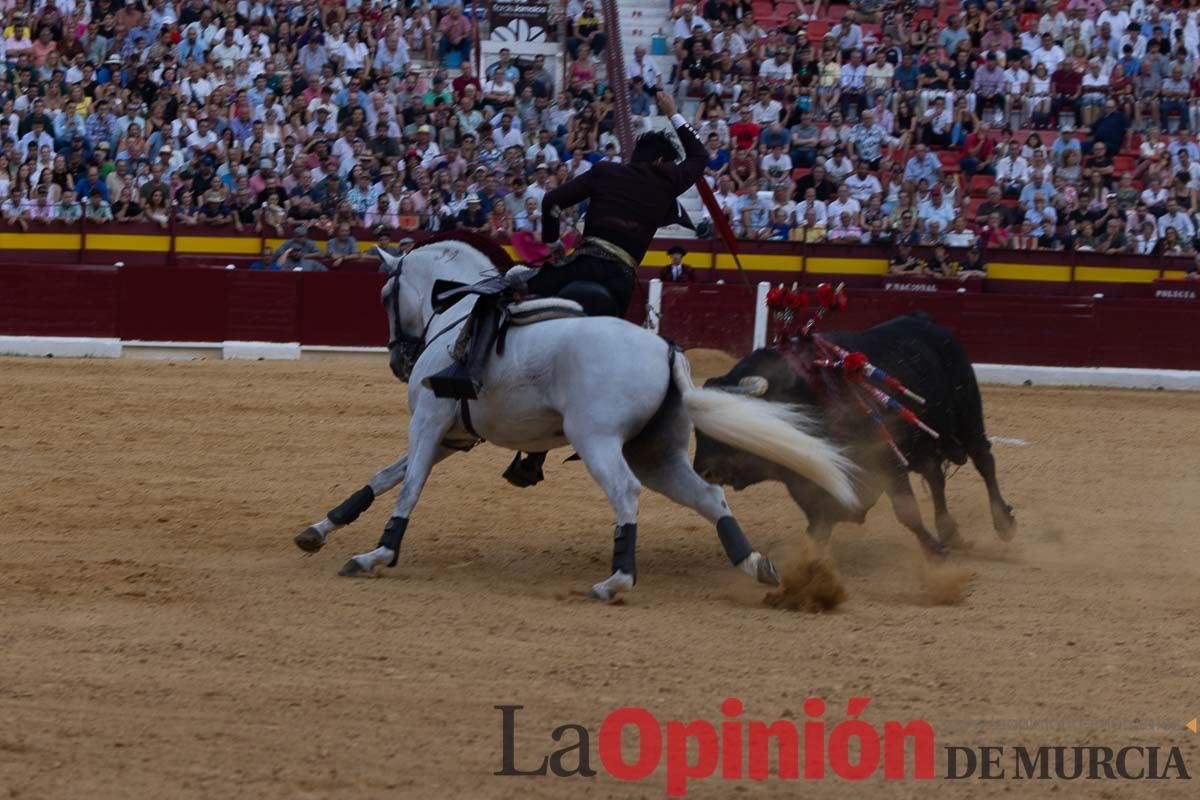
455	380
525	471
462	380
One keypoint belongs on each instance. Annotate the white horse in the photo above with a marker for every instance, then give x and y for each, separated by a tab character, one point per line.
620	395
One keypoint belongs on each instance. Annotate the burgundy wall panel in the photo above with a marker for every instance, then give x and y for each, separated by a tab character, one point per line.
342	309
185	305
67	301
263	306
700	315
192	304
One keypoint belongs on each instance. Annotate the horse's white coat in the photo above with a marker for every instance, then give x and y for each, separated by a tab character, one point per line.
593	383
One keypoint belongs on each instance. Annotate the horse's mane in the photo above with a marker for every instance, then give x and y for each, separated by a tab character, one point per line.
495	253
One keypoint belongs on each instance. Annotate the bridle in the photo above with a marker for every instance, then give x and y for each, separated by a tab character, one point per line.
409	348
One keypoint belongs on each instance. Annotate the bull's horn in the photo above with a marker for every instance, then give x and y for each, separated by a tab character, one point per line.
753	385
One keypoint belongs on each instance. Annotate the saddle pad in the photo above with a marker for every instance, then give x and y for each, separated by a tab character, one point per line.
541	309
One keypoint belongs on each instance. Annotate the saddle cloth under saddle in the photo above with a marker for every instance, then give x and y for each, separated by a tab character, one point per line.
540	309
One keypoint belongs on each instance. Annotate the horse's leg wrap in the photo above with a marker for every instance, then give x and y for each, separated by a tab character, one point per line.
625	550
393	534
736	545
352	506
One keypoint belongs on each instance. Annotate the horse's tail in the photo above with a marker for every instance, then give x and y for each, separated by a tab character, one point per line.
774	431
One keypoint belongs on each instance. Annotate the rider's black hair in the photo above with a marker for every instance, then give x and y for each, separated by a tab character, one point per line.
652	146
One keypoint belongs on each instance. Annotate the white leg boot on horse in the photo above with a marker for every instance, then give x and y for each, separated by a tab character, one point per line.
315	536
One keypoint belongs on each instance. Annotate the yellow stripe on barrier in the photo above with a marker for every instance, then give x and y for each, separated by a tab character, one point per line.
1115	274
217	245
40	241
847	266
128	242
1029	272
760	263
1174	275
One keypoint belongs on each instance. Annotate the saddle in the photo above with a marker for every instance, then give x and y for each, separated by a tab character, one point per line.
496	310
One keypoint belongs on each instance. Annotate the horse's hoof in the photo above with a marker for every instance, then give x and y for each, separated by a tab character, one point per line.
310	540
354	569
610	590
759	567
766	572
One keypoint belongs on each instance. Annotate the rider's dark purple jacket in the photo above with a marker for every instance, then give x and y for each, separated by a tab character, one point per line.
628	203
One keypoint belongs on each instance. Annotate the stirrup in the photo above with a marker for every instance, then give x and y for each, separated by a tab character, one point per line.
453	382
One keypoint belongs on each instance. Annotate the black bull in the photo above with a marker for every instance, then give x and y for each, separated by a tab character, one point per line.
930	362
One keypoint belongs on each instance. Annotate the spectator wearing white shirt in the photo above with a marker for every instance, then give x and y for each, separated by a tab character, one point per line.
776	166
959	235
729	41
542	152
853	84
777	69
687	21
811	203
935	209
848	34
842	204
1177	219
1012	170
643	67
505	135
227	51
767	110
862	184
1155	195
1049	54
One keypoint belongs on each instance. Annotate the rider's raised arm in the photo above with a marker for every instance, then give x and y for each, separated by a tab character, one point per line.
571	193
695	158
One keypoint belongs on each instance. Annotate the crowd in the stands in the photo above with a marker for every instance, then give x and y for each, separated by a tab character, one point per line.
1027	124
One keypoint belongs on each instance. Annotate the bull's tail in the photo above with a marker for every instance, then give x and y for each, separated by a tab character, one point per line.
779	433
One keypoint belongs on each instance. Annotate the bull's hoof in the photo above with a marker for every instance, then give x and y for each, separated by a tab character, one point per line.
935	549
948	532
1003	521
310	540
1006	526
356	569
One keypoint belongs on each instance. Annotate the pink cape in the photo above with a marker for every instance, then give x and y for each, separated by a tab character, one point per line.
530	249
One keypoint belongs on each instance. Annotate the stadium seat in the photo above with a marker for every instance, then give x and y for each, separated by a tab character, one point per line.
973	209
980	184
817	29
950	159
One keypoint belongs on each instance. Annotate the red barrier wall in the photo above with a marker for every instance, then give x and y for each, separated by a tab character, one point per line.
197	304
193	305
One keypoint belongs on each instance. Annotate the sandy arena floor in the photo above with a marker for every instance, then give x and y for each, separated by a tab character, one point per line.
161	637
